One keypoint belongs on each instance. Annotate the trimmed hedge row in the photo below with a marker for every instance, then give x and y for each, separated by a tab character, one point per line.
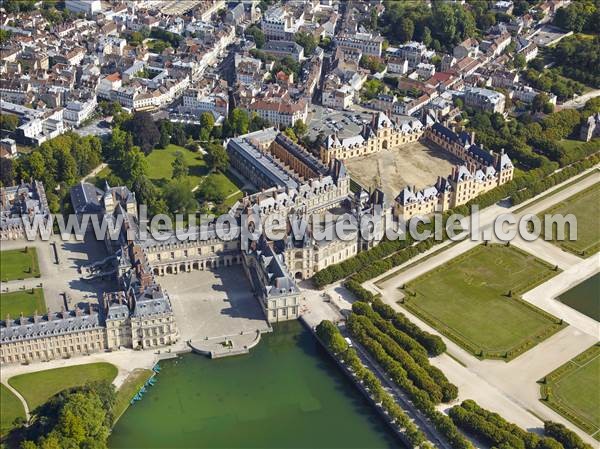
433	343
566	437
419	398
396	259
364	330
332	338
494	429
410	345
538	186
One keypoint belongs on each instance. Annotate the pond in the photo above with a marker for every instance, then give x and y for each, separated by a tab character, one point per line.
287	393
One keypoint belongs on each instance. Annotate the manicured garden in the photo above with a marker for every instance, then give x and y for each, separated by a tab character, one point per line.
10	409
40	386
474	300
585	206
19	264
26	302
573	390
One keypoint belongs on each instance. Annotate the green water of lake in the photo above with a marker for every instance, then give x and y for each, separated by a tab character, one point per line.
584	297
287	393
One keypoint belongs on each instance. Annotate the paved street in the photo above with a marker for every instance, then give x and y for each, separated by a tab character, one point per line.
580	101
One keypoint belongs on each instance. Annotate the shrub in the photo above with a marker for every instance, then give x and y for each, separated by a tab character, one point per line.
565	436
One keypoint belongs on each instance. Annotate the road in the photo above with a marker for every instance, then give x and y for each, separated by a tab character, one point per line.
580	101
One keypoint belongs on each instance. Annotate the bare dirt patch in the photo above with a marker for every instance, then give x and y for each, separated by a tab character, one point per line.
414	164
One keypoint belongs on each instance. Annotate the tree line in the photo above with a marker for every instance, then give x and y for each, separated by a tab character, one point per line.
496	431
401	347
330	336
420	398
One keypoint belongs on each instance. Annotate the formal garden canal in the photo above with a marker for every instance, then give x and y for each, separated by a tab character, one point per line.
287	393
584	297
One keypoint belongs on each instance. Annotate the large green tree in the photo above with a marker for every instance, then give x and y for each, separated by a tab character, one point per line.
179	197
180	166
144	131
216	157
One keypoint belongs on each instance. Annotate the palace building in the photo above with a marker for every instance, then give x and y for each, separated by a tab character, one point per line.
380	134
294	184
55	335
26	201
479	172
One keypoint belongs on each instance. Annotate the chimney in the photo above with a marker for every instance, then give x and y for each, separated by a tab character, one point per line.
50	316
472	137
21	319
77	311
8	321
36	317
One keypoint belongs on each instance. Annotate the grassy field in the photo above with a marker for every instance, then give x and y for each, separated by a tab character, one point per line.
38	387
573	390
585	206
22	301
130	387
160	162
19	264
10	409
474	301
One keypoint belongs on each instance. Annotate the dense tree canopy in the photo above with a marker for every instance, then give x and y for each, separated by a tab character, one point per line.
257	35
216	157
80	417
578	16
579	58
144	131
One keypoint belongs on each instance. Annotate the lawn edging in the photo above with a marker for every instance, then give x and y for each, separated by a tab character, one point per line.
548	397
555	324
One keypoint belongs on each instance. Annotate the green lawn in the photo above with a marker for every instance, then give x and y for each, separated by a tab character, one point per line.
19	264
569	144
22	301
473	300
38	387
160	162
10	409
130	387
573	390
585	206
